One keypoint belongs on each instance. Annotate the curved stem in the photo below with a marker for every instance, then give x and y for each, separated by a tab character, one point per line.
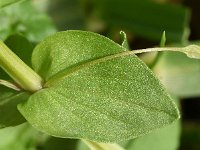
192	51
102	146
22	74
9	85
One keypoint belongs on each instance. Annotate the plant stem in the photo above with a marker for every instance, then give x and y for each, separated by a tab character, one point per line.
192	51
102	146
22	74
9	85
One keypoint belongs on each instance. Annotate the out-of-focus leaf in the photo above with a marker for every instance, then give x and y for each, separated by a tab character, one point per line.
94	92
53	143
179	74
22	137
9	99
67	14
163	139
146	18
190	138
26	19
4	3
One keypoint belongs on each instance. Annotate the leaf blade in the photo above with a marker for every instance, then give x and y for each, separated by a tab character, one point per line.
108	101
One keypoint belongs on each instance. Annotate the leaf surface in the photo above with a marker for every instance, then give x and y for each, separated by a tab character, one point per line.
179	74
91	97
166	136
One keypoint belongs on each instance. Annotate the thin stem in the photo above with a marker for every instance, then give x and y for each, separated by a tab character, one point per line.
102	146
175	49
67	72
22	74
9	85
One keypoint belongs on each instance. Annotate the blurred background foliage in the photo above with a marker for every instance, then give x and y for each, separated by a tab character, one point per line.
144	22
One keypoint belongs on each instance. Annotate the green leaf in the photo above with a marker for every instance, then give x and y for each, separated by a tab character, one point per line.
91	96
163	40
4	3
66	50
53	143
22	137
9	99
166	136
16	19
146	18
163	139
169	136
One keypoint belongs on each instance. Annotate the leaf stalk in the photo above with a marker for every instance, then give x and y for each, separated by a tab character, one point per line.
21	73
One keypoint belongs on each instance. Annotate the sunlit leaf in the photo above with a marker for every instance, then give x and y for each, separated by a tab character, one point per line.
93	93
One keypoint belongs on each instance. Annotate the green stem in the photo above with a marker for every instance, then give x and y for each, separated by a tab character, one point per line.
102	146
22	74
192	51
9	85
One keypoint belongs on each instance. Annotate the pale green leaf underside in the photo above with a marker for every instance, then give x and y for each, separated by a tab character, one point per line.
108	101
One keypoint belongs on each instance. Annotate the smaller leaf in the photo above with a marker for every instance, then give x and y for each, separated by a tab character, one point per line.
22	137
163	40
9	85
9	115
124	40
166	136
